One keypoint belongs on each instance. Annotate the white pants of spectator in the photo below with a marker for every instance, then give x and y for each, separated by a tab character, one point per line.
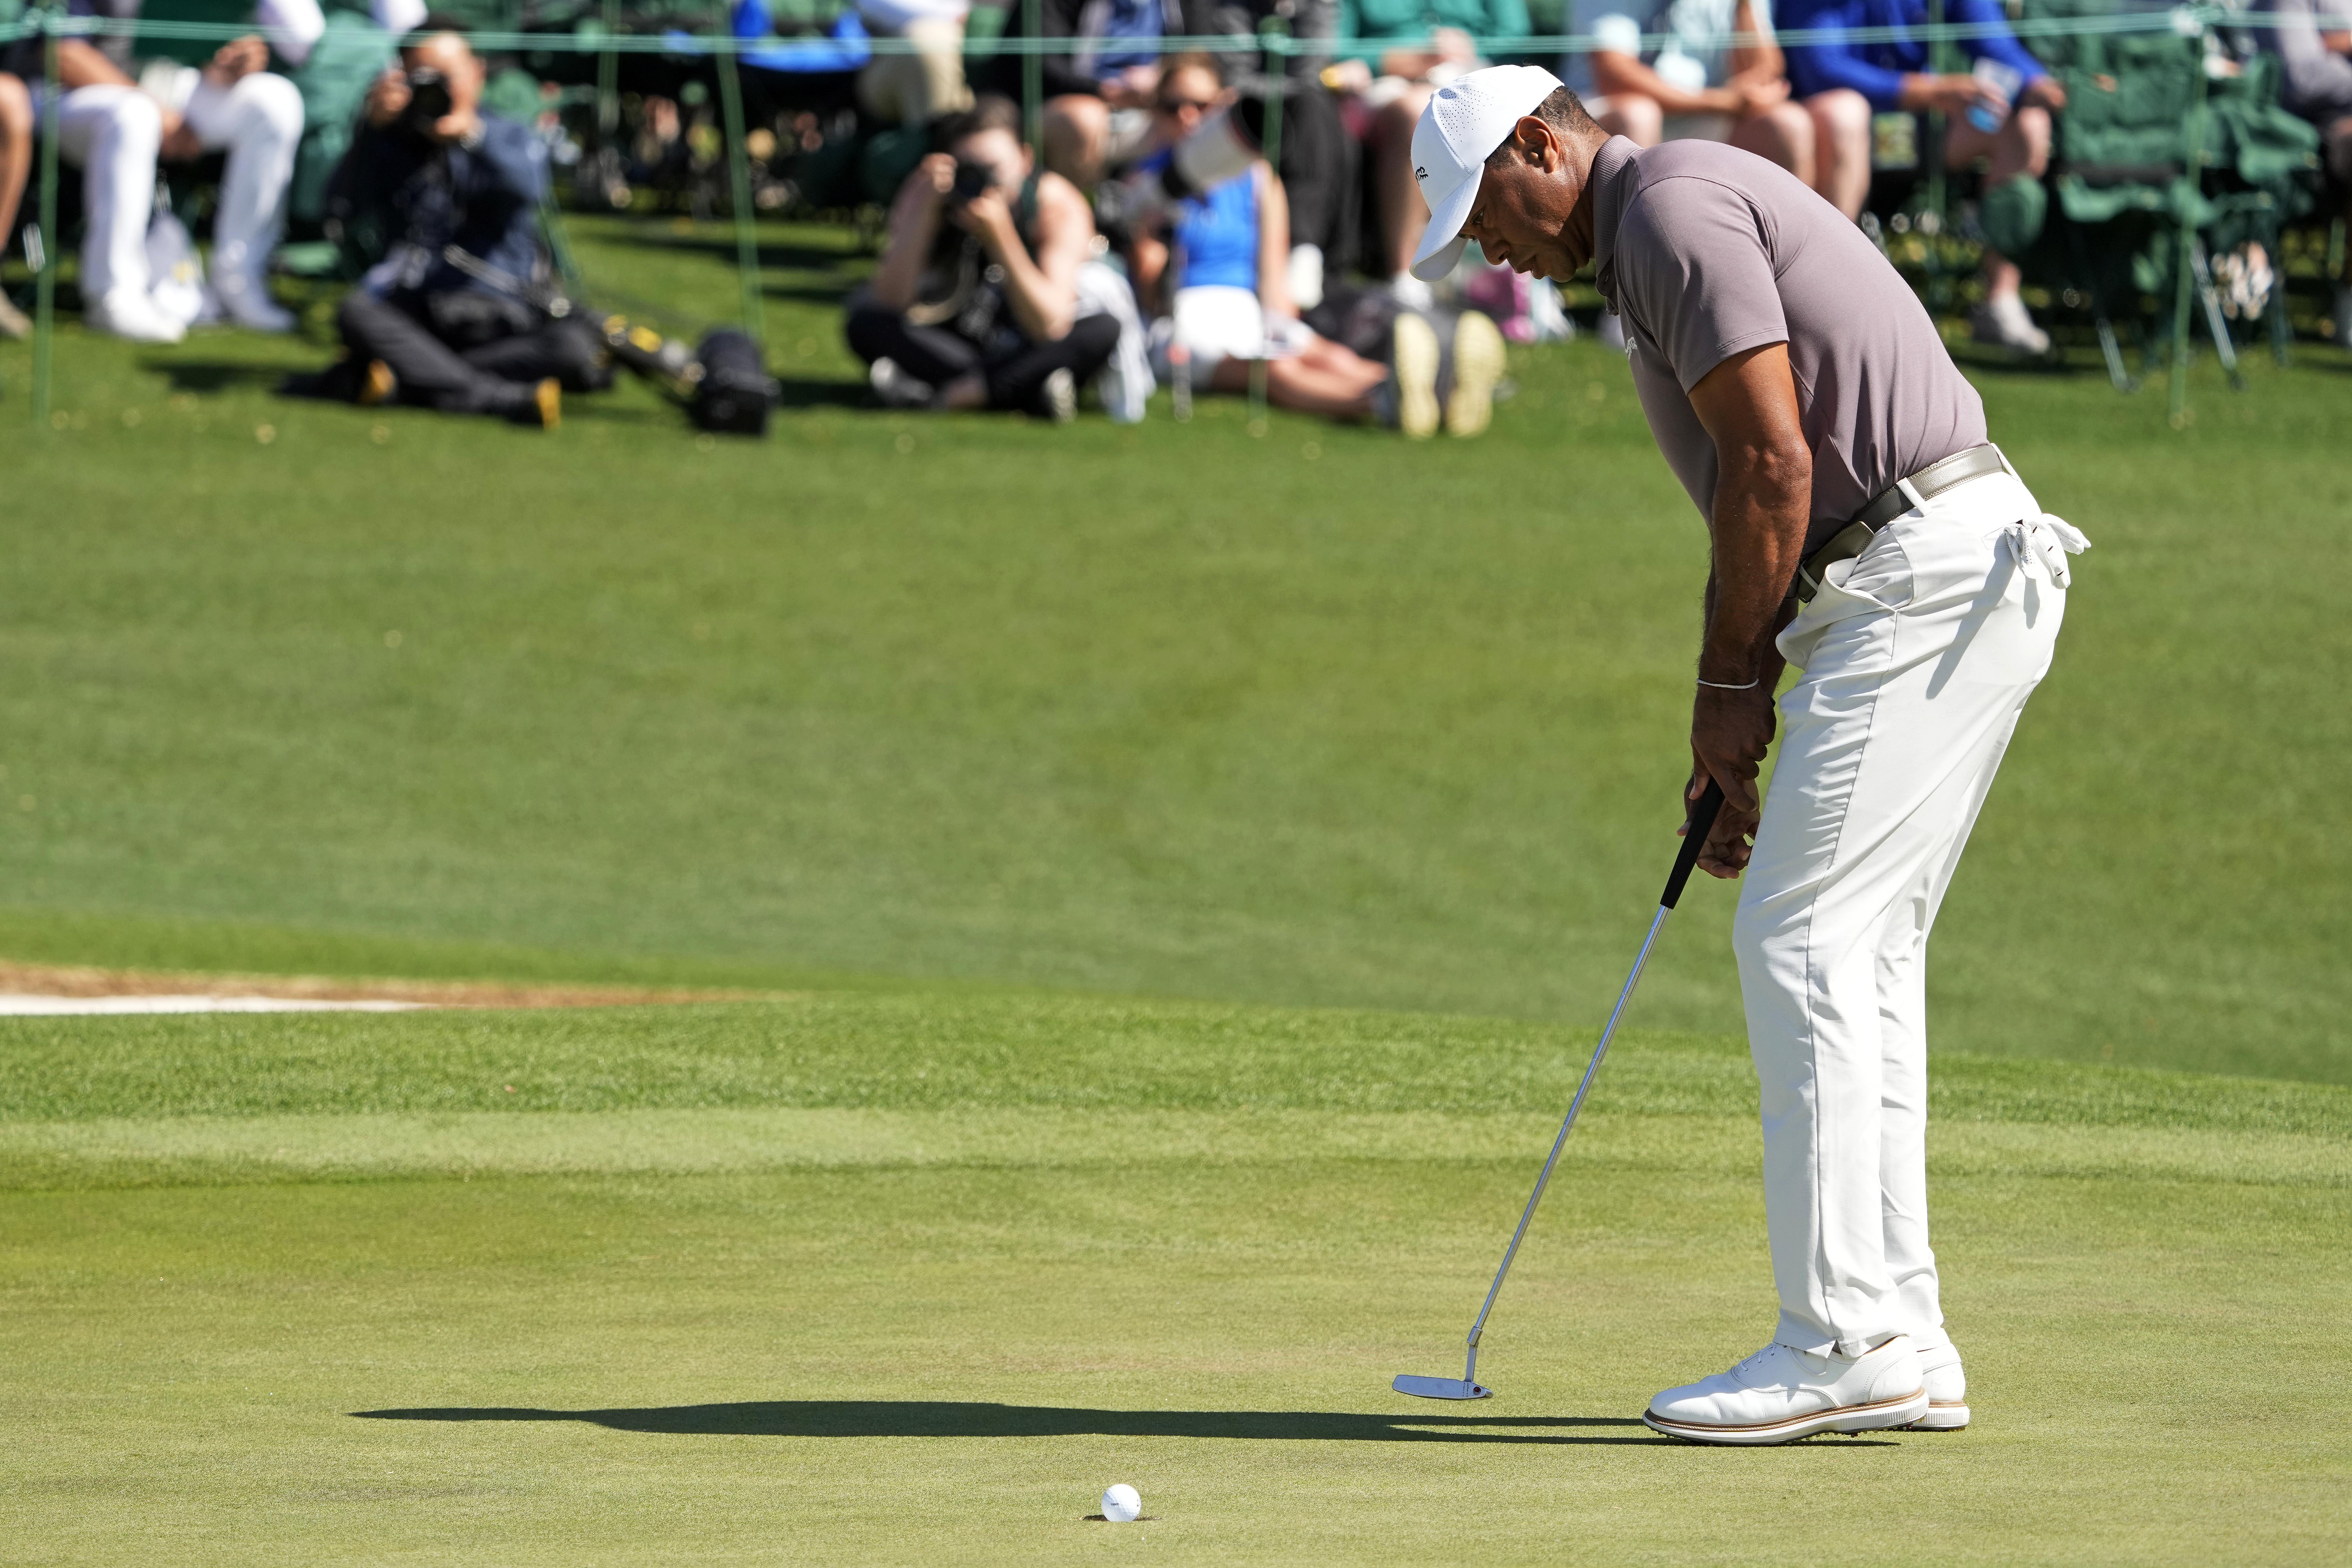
114	133
1917	659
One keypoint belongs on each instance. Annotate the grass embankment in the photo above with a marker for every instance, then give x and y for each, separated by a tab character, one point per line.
885	1277
1314	718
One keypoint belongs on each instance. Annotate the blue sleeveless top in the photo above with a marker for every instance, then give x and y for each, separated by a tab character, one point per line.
1217	231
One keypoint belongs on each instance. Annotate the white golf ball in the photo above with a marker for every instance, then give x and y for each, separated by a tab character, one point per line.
1121	1504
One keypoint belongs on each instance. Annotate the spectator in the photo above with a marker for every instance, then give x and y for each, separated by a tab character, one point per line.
1228	256
2000	113
1393	55
914	89
16	165
2316	72
1698	83
114	132
1321	164
975	303
455	317
1097	109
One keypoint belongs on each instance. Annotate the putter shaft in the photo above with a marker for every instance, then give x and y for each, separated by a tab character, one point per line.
1702	821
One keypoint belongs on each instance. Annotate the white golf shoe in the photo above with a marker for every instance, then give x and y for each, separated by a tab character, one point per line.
1782	1394
128	313
1948	1388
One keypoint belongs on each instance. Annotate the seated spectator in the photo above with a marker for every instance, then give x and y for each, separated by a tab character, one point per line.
114	132
914	89
1222	274
16	165
456	315
2316	82
1697	84
1843	82
1097	109
975	303
1393	55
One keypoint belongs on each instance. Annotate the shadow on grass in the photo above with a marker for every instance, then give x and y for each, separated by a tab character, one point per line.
783	256
929	1418
216	375
802	392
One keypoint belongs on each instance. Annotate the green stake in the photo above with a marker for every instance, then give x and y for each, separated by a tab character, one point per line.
739	174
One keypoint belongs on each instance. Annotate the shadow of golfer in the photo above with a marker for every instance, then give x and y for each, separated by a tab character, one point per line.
938	1418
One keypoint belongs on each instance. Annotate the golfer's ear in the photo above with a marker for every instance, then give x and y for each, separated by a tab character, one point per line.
1535	141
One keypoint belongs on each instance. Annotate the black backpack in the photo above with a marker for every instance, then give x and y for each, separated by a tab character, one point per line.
734	392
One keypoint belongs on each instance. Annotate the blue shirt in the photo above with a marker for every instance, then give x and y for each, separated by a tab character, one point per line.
1217	232
1129	21
1876	71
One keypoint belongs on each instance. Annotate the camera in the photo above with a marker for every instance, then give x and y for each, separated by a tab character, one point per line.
972	180
428	101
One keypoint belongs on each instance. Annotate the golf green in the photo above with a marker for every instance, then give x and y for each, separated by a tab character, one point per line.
900	1278
1176	871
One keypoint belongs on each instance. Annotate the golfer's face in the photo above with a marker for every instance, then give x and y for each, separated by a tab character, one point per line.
1513	222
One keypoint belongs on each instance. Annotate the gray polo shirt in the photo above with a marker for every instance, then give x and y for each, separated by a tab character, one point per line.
1705	250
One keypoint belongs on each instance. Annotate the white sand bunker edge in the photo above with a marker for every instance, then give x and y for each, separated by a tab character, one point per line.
19	1004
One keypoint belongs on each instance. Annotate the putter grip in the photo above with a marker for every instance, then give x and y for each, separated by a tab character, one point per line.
1702	819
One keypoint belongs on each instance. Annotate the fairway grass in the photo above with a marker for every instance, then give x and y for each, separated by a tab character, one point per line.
1317	717
901	1279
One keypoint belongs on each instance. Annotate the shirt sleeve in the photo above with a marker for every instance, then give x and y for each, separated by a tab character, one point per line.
2002	46
1692	263
1834	61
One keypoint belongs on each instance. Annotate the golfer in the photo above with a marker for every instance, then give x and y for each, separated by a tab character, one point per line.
1865	531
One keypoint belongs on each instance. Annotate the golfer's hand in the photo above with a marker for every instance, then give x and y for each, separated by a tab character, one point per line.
1731	731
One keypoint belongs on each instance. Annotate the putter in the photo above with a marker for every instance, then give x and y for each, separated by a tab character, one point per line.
1466	1387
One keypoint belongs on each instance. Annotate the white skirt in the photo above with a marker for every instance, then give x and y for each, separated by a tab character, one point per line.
1216	322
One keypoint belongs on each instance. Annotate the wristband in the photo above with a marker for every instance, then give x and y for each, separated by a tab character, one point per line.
1725	686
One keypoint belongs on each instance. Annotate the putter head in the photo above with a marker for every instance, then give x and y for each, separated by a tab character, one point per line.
1441	1388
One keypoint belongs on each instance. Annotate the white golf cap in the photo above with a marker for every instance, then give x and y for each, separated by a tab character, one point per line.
1466	119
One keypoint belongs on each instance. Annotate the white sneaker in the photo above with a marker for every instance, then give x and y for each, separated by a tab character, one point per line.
1479	365
1782	1394
1948	1389
1413	373
896	388
246	302
2003	321
1058	400
128	313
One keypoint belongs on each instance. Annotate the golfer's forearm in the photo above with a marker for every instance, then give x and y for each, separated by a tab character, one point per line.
1760	528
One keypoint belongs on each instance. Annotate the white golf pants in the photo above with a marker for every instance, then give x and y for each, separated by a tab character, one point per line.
1917	659
112	134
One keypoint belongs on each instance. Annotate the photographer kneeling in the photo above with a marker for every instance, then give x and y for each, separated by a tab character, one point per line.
459	315
975	303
